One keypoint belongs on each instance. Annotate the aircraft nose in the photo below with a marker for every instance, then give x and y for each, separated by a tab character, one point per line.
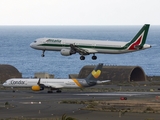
33	45
4	84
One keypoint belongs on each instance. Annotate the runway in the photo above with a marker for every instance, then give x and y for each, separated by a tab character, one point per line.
31	104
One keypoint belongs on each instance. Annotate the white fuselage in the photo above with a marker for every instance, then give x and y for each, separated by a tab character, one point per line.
92	46
55	83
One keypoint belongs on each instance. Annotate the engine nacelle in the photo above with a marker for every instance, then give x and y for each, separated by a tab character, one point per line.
37	88
66	52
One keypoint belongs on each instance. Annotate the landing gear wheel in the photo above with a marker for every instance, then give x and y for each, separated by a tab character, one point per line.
82	58
94	57
50	91
58	91
43	53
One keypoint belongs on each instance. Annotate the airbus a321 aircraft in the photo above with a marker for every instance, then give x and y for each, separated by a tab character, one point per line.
57	84
68	47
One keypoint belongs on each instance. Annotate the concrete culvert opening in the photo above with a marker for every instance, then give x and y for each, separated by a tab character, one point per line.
137	74
116	73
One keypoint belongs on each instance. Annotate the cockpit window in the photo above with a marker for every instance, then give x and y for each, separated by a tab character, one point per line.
35	41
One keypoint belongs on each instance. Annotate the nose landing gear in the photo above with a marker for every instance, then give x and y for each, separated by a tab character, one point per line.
43	53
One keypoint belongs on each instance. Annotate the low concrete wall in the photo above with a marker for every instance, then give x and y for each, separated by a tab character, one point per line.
8	71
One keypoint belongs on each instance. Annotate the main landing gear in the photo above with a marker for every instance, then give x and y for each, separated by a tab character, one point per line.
57	90
82	57
12	89
43	53
93	57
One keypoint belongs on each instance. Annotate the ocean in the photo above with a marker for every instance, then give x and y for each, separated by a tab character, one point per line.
15	49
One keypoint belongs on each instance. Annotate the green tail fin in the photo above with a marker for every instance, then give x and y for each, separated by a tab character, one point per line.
139	40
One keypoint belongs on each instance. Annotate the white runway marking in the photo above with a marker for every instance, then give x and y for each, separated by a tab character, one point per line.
30	102
120	93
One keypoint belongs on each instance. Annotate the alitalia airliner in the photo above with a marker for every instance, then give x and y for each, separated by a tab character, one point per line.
69	47
57	84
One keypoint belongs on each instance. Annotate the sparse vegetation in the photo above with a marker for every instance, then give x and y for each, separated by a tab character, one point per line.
149	119
119	106
149	109
6	103
72	102
64	117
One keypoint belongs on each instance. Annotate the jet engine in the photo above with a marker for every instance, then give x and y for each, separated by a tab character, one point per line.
37	88
66	52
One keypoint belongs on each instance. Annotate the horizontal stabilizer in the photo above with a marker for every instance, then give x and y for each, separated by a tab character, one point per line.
104	81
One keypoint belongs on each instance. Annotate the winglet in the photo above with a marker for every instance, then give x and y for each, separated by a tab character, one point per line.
139	40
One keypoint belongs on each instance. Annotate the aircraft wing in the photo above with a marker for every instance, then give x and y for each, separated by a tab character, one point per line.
81	51
46	85
56	86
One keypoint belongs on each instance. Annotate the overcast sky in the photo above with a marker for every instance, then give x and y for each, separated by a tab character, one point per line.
79	12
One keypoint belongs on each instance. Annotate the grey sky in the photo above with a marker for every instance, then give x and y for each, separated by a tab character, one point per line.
79	12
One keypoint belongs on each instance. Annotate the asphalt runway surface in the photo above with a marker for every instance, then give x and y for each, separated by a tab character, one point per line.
30	104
